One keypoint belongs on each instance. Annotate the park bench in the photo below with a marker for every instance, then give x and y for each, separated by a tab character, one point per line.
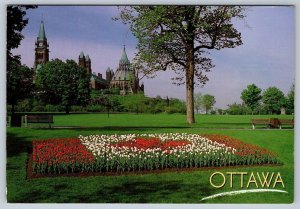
38	119
260	121
286	122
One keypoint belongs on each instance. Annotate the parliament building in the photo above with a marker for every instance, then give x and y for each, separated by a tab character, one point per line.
123	78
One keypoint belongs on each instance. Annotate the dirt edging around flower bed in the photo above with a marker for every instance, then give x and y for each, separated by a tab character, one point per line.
31	175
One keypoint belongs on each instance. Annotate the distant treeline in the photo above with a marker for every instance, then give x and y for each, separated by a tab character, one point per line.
101	102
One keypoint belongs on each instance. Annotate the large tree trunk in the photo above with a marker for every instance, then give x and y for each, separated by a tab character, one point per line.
190	68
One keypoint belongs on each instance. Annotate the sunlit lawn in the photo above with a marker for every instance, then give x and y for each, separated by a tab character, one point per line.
178	187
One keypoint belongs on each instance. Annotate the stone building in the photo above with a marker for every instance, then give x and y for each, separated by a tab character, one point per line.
41	49
97	82
85	62
124	78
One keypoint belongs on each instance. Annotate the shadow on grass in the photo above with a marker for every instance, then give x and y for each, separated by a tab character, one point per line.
145	192
233	126
124	192
114	128
15	145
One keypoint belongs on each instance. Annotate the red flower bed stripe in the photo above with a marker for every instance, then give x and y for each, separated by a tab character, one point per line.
60	155
143	144
242	148
61	151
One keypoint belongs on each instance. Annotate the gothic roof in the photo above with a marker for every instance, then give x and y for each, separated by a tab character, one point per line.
87	57
123	75
98	79
124	59
81	55
108	70
123	72
42	34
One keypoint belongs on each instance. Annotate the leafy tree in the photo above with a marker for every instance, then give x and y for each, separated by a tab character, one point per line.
220	111
198	101
208	102
251	96
177	37
16	22
19	82
273	100
155	105
176	106
290	100
237	109
63	83
19	77
135	103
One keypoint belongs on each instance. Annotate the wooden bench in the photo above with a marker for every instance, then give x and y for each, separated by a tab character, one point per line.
38	119
260	121
286	122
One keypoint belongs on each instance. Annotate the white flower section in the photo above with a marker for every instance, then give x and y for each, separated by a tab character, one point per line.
102	146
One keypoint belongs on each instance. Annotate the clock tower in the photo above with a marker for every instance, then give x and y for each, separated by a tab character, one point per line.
41	49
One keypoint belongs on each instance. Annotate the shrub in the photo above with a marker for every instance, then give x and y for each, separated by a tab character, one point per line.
50	108
78	109
95	108
38	108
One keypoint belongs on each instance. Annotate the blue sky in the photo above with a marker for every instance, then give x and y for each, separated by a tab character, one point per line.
267	57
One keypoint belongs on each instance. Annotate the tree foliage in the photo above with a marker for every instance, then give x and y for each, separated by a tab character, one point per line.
290	100
237	109
251	96
179	37
63	83
16	22
19	77
135	103
208	102
273	100
198	101
19	82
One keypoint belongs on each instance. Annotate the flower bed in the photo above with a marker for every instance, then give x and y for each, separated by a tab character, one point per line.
120	153
61	156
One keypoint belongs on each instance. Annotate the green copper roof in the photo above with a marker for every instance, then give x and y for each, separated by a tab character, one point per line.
123	75
108	70
42	34
38	67
124	59
87	57
81	55
98	79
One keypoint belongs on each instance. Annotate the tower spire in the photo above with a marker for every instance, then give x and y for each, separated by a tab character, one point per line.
124	59
42	34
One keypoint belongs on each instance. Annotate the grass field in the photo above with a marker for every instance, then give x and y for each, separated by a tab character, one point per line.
171	187
157	121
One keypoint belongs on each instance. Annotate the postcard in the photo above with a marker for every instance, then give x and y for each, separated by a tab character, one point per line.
150	104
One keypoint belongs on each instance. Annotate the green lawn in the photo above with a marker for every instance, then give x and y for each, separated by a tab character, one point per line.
176	187
158	120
